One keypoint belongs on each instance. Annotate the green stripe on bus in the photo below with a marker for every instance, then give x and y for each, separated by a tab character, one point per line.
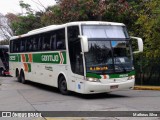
49	58
27	58
29	67
122	75
118	75
54	58
93	75
64	57
111	75
14	58
19	58
132	73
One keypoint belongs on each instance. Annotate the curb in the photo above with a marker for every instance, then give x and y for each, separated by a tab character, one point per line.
147	88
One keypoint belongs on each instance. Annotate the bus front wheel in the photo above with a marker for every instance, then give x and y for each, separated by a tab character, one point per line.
62	85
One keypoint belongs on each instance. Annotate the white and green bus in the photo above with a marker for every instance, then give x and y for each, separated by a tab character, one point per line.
84	57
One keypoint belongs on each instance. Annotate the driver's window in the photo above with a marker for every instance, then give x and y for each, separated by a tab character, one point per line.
75	55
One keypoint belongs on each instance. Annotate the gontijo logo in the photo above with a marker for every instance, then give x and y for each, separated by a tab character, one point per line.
53	58
50	58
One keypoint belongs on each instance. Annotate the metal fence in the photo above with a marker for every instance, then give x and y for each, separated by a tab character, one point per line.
147	71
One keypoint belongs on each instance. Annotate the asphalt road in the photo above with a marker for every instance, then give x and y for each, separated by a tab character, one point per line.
15	96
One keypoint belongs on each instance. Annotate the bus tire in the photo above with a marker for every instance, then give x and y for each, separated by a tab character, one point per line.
62	85
18	76
22	77
1	72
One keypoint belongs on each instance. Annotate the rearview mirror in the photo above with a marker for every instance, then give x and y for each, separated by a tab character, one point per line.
84	43
140	44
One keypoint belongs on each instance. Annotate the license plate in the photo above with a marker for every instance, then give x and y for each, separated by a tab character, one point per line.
114	87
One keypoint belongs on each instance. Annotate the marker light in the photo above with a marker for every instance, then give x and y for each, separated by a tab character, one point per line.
131	77
93	79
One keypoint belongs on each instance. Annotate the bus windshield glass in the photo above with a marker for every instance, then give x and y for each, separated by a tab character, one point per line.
105	31
106	55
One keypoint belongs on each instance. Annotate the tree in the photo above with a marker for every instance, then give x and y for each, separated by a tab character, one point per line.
93	10
25	21
51	16
66	11
5	30
4	42
147	26
79	10
25	24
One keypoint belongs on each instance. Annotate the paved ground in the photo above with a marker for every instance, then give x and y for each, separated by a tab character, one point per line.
15	96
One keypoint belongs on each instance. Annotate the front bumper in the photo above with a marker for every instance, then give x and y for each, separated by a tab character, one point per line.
96	87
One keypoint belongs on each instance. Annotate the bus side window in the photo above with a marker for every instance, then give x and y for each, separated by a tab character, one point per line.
60	39
53	42
35	43
60	44
28	45
32	44
22	46
46	41
16	46
40	43
44	45
11	46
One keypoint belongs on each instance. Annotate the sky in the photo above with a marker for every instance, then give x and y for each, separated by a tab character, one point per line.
12	6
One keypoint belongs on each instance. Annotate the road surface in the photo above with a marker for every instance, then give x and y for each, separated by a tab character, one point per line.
15	96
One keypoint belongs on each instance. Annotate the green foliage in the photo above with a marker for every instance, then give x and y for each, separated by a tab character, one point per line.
142	17
4	42
80	10
51	16
27	21
25	6
25	24
147	26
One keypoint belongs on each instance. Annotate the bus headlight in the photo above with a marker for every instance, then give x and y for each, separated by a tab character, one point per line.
93	79
131	77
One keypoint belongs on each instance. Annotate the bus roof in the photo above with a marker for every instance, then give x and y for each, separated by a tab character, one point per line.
54	27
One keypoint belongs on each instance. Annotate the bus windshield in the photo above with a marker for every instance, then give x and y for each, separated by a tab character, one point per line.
108	55
105	31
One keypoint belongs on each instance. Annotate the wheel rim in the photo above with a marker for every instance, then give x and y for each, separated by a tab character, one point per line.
63	86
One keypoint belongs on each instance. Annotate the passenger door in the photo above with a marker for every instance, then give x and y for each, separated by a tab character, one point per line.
76	58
